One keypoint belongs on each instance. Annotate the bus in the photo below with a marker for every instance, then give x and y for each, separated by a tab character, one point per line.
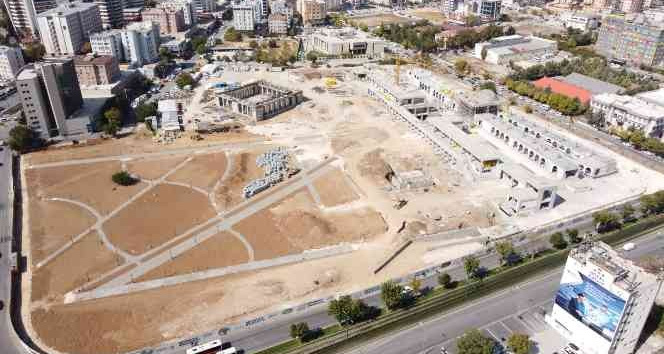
212	347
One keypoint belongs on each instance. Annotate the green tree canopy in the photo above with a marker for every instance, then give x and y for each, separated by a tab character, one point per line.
519	343
33	52
473	342
123	178
471	265
145	110
22	138
392	295
557	240
445	280
232	35
184	79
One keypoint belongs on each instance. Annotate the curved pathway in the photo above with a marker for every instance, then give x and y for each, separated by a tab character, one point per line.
247	245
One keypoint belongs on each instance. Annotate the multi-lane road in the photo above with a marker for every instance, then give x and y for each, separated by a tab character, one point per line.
519	309
8	341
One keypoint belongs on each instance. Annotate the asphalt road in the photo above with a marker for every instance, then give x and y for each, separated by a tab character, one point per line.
8	340
521	306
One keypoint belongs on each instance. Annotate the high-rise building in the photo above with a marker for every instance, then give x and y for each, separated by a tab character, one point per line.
93	70
282	7
11	61
170	21
50	95
140	42
111	13
603	300
187	7
636	40
202	6
244	17
108	43
277	23
22	16
485	10
64	29
134	3
313	12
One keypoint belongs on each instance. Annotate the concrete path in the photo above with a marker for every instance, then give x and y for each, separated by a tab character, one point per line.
247	245
239	213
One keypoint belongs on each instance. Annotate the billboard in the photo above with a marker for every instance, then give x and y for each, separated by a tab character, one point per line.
589	303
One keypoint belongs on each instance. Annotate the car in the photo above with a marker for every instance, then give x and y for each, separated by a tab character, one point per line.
629	246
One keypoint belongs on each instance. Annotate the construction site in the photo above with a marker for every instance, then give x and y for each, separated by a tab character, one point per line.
301	206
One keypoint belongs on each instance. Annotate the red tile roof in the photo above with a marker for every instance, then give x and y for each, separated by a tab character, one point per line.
564	88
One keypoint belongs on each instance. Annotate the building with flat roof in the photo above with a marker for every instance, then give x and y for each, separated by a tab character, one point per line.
625	112
64	29
187	7
259	100
472	103
22	16
136	44
111	13
484	10
244	17
502	50
635	40
528	192
132	14
93	70
345	41
313	12
552	154
581	21
11	61
277	23
50	95
170	21
577	86
603	301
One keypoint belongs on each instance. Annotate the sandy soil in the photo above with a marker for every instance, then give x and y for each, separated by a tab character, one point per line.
377	20
433	16
221	250
334	189
54	224
295	224
202	171
134	144
154	168
242	171
91	258
90	184
156	217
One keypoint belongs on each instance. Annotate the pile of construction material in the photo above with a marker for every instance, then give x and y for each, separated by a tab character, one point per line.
275	164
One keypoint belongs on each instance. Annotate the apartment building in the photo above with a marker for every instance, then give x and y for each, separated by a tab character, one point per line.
313	12
203	6
187	7
282	7
108	43
278	24
244	17
131	14
64	29
634	39
170	21
22	15
485	10
581	21
632	112
11	61
111	13
50	95
136	44
94	70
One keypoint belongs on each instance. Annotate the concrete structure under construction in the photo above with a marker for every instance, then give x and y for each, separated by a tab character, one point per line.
603	301
345	41
259	100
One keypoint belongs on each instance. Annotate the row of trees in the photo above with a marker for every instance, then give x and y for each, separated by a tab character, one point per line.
639	140
468	37
566	105
474	342
420	36
595	67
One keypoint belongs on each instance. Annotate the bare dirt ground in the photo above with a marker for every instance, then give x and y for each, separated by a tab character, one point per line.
221	250
202	171
243	170
90	184
334	189
54	224
157	217
91	259
296	224
377	20
432	15
154	168
134	144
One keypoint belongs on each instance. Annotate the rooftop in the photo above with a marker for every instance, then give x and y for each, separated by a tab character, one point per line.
556	85
593	85
654	97
344	34
479	98
65	9
476	146
93	60
633	105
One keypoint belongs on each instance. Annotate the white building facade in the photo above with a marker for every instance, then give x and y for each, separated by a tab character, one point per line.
502	50
108	43
345	42
140	42
187	7
64	29
244	17
581	21
11	61
627	112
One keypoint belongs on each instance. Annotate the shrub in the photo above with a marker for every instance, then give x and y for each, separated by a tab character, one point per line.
123	178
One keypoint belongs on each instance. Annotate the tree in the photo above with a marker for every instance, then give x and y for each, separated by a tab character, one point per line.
123	178
573	236
471	265
605	221
227	15
445	280
505	249
628	213
489	85
519	343
22	138
113	118
297	330
232	35
528	109
484	53
348	311
473	342
145	110
201	49
392	295
312	56
272	43
184	79
557	240
253	44
415	284
509	31
33	52
86	48
461	66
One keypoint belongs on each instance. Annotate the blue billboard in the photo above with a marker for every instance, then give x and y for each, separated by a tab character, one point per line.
590	303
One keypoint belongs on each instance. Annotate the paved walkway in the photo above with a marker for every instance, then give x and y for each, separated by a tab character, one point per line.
202	232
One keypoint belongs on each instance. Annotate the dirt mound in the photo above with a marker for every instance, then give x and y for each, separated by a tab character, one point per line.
416	228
